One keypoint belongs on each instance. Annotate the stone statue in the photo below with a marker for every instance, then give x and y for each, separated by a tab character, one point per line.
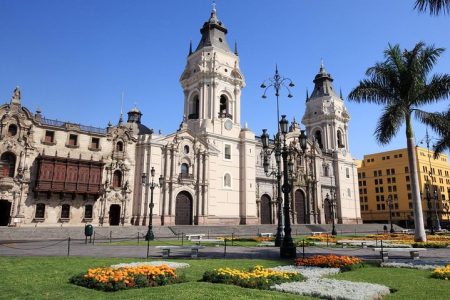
16	95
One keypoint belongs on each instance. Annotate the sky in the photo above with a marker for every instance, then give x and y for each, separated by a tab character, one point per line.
73	59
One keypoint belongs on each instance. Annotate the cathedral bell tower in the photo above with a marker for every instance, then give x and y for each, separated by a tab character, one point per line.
326	118
212	82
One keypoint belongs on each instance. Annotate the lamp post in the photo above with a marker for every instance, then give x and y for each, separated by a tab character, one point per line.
429	215
150	236
277	173
277	82
438	223
287	248
390	205
332	203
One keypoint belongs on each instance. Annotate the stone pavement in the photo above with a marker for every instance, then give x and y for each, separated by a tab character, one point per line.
79	248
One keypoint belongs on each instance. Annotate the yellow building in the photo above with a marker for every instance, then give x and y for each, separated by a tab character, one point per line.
385	175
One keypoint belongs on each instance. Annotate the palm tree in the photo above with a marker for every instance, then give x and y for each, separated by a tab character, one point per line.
401	85
439	122
435	6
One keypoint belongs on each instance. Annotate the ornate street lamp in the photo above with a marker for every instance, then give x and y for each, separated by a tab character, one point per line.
277	173
277	82
390	205
287	247
332	204
150	236
430	214
438	223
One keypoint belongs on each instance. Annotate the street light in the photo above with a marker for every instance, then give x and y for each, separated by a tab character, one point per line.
429	215
150	236
390	205
332	203
438	223
287	248
277	173
278	83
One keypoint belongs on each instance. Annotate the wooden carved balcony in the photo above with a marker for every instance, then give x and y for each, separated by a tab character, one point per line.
66	175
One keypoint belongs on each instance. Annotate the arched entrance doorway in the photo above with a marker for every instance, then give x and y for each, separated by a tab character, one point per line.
183	209
266	212
300	207
5	211
114	214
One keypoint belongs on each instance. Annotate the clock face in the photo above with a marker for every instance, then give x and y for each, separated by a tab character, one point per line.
228	125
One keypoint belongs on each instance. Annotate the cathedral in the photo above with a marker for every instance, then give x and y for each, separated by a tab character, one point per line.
209	172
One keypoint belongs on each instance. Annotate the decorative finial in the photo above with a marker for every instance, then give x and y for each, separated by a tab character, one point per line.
214	6
276	69
321	64
235	48
190	48
307	95
340	94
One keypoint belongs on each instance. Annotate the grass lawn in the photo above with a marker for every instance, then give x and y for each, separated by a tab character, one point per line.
47	278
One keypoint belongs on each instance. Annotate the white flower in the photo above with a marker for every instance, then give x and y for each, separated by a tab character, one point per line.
152	263
409	265
308	272
334	289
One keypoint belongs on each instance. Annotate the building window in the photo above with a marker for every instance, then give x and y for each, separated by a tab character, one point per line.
380	173
227	151
88	211
117	179
49	136
95	143
194	106
119	146
349	192
65	211
339	140
186	149
318	138
227	180
224	110
184	168
7	164
73	139
406	170
347	173
12	130
40	211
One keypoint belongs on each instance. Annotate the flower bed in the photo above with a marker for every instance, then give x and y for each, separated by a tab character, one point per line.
170	264
442	273
257	277
435	244
114	279
327	261
411	265
334	289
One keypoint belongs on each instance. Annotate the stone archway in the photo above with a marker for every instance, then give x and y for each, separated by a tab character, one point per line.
300	207
183	209
5	212
266	210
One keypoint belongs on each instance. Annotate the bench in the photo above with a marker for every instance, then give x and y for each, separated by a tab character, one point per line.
198	236
384	252
193	249
199	241
407	231
266	234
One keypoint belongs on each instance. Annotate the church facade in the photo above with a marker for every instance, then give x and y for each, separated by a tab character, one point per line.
207	172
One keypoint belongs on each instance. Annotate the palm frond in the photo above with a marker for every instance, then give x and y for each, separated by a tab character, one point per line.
389	123
440	123
372	92
437	89
435	6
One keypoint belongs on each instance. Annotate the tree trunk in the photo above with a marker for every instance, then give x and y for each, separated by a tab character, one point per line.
419	232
